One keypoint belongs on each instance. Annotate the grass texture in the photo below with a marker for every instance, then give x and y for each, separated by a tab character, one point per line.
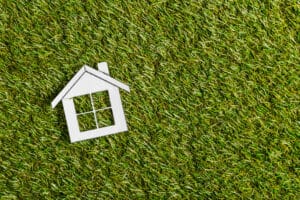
213	112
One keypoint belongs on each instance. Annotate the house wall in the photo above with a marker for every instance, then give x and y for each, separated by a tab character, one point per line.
117	108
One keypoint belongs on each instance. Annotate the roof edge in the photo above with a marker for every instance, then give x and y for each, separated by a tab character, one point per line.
69	85
77	76
107	78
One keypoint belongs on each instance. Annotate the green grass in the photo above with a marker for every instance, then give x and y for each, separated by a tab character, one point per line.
213	112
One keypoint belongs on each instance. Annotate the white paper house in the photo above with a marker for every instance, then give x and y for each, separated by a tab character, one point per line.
88	82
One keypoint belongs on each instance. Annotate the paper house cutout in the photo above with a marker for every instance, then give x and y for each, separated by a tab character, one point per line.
88	81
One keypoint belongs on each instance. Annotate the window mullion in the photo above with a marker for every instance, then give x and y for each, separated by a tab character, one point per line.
94	111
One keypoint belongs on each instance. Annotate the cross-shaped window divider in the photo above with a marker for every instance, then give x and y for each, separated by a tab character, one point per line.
94	111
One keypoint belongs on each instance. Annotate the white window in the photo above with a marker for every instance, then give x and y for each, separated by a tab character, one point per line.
93	111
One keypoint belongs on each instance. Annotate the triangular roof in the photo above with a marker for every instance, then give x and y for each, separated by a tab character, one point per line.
79	74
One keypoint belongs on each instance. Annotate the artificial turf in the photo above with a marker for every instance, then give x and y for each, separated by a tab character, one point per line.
213	112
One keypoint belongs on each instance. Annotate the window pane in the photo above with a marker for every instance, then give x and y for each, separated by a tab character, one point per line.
101	100
83	104
86	122
105	118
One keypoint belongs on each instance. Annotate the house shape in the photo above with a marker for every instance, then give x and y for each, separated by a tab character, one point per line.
88	82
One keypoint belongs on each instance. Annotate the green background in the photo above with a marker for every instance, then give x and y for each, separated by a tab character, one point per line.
213	112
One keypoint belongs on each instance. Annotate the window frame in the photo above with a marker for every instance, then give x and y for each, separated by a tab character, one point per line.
94	111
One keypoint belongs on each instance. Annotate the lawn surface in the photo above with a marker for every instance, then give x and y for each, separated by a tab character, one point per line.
213	112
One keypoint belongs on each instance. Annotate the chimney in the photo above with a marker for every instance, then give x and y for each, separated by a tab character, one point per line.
103	67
